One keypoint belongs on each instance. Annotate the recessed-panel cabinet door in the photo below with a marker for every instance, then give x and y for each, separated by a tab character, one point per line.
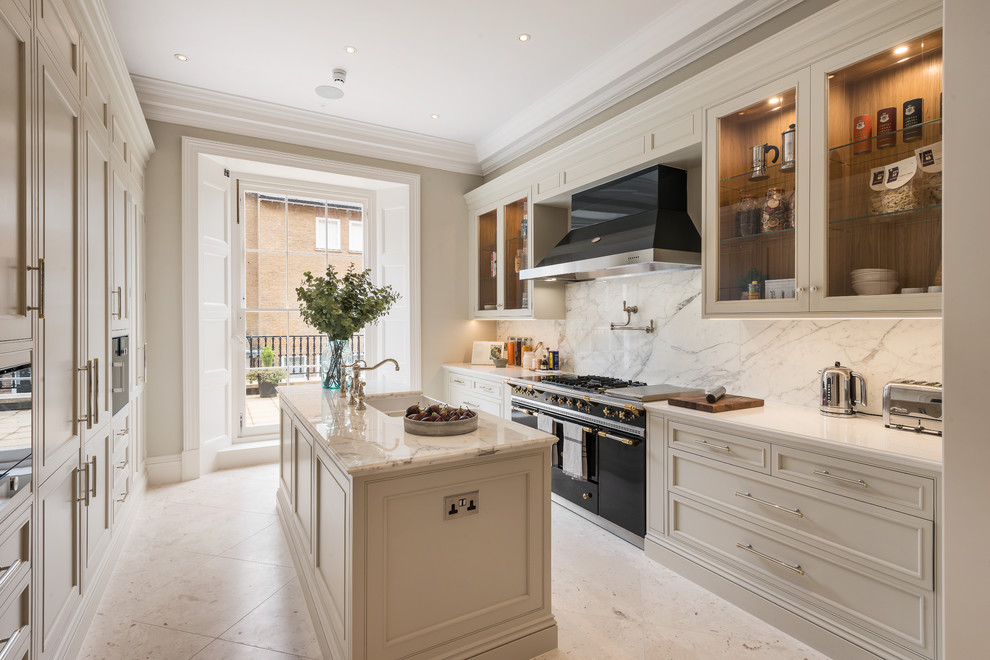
96	220
15	216
61	368
59	586
98	476
118	246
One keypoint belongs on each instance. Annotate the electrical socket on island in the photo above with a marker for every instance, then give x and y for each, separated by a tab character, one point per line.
461	506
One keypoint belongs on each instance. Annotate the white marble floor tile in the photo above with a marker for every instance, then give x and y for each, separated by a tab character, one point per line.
281	623
223	650
267	547
130	640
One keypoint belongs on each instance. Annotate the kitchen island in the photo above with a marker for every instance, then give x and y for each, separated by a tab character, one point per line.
409	546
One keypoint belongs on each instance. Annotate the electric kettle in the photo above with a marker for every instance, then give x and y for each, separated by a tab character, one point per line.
839	390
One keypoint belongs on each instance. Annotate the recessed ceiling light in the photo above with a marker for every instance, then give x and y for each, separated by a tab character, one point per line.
900	50
435	116
328	92
181	57
524	37
774	100
903	59
351	49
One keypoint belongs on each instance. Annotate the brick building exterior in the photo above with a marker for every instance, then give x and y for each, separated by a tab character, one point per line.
284	238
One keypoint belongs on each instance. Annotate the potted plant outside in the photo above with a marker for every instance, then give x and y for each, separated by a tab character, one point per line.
267	380
341	307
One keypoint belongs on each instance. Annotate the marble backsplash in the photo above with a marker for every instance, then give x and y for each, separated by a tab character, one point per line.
774	360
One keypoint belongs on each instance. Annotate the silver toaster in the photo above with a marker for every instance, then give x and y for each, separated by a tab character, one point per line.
913	405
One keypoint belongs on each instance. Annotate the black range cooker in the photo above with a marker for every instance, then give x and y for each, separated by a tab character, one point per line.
599	461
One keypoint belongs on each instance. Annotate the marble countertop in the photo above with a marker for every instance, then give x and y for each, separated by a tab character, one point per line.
367	441
504	372
862	435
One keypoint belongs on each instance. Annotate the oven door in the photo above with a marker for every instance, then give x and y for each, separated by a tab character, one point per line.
523	414
622	480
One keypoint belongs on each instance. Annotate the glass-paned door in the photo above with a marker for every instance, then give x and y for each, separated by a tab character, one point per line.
885	173
488	261
757	201
516	250
285	236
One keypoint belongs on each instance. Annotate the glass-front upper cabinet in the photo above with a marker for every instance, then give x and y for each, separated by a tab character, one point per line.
755	198
502	249
883	200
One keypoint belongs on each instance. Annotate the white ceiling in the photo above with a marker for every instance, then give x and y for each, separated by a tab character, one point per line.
461	59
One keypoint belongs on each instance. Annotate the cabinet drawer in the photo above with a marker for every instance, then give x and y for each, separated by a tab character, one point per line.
15	556
892	542
881	607
734	449
121	493
15	631
121	464
121	430
908	493
459	380
489	389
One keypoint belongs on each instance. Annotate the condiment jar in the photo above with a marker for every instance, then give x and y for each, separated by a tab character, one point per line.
776	212
748	214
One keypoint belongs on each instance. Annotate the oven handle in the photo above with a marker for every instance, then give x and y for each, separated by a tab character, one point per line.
525	410
626	441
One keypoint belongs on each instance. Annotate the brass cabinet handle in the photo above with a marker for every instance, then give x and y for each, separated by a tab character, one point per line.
625	441
144	358
712	445
41	288
793	512
458	381
96	390
88	417
845	480
123	464
119	314
791	567
85	497
123	498
8	572
523	410
10	642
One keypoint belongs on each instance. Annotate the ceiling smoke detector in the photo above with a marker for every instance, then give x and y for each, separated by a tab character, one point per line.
333	92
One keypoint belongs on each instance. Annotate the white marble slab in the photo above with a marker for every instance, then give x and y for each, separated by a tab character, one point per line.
861	435
369	441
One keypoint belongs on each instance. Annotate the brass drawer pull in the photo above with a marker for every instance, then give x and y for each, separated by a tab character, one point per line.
11	642
845	480
791	567
793	512
458	381
705	443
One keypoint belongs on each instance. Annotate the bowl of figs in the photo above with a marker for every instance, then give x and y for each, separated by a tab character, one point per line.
440	419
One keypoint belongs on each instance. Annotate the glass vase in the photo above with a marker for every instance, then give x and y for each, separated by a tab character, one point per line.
336	353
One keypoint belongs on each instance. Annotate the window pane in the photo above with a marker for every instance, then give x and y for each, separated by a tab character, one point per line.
264	329
270	232
355	236
305	344
315	262
271	282
251	220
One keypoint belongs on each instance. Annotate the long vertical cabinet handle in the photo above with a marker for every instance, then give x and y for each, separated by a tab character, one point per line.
96	478
88	417
96	389
115	292
85	497
120	303
41	288
144	355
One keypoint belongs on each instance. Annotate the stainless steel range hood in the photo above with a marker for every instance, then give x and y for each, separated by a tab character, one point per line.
637	224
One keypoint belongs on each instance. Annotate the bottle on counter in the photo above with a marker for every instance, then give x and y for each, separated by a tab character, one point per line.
544	363
518	356
511	354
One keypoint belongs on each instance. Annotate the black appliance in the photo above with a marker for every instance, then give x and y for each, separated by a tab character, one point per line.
611	426
119	370
633	225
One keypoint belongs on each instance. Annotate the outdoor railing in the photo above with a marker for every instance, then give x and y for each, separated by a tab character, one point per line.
298	354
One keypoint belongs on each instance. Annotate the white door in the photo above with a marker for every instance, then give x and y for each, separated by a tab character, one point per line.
391	337
214	202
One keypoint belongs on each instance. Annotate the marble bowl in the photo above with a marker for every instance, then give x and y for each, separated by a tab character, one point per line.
500	363
456	427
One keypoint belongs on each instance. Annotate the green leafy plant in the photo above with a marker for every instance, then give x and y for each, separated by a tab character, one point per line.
273	376
342	306
267	357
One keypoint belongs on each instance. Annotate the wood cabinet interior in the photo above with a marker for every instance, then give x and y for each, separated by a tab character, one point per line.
487	254
869	228
746	251
516	252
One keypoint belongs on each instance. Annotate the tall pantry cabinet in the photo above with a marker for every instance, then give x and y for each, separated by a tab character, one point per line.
73	147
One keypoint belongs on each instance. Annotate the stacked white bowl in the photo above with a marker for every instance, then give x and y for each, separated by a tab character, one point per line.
874	281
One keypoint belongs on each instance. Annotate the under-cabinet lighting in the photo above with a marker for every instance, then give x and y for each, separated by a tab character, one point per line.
181	57
524	37
900	50
902	60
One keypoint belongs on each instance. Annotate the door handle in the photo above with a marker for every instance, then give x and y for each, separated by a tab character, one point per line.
96	389
119	314
119	366
41	288
96	479
88	417
85	497
625	441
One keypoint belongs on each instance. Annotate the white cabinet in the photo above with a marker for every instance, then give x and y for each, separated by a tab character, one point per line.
794	218
16	109
97	485
507	236
838	540
120	220
475	391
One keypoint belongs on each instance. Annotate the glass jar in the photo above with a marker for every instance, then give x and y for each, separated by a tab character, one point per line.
776	211
748	214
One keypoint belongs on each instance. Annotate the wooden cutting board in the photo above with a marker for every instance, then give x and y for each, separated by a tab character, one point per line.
726	403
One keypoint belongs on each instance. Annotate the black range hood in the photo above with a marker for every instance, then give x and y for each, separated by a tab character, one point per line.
634	225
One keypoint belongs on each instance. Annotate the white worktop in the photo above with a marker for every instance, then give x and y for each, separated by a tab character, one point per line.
492	370
369	440
858	434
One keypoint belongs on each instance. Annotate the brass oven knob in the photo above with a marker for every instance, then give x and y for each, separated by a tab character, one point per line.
622	415
606	411
586	496
570	403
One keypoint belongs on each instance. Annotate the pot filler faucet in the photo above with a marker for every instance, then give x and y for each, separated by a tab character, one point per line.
357	383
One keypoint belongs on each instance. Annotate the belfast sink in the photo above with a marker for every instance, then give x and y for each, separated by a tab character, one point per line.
394	405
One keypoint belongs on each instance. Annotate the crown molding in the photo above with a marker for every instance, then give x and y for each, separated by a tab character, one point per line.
567	105
193	106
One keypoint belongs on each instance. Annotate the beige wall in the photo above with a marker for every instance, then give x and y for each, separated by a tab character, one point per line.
446	332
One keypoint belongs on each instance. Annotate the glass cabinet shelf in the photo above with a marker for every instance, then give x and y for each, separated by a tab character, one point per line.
779	235
920	214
